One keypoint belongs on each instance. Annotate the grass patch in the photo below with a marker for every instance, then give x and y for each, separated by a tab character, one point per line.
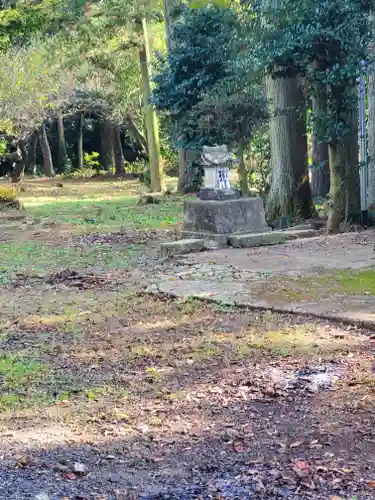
307	288
33	258
357	282
20	376
91	206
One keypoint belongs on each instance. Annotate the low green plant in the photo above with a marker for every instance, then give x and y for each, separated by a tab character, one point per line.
91	161
8	197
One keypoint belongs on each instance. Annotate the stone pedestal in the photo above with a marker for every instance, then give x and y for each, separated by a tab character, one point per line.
216	220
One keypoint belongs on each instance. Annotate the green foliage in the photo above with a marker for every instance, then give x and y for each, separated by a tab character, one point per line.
322	41
202	64
91	161
260	152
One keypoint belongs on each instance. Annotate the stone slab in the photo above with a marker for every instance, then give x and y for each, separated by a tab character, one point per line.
211	240
210	194
300	233
245	215
352	309
250	240
180	247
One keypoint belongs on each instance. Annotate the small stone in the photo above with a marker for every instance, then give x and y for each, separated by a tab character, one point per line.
61	468
80	469
114	477
313	387
152	289
42	496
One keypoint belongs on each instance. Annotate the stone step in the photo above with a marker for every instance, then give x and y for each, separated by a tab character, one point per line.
180	247
249	240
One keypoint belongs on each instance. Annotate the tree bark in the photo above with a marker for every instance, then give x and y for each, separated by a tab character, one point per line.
351	147
31	153
106	145
81	122
242	172
119	158
344	195
336	204
137	134
62	156
156	169
319	168
320	164
371	127
290	193
46	152
20	158
184	180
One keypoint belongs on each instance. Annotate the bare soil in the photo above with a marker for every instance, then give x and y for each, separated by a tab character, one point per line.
137	396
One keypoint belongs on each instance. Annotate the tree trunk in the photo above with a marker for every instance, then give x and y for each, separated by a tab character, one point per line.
62	156
190	177
119	158
81	122
351	147
290	193
46	152
336	205
156	170
242	172
371	127
185	181
320	166
31	153
137	134
20	159
106	145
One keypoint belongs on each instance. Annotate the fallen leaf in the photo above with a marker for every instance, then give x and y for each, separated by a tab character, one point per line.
301	465
371	483
239	446
248	428
69	475
296	444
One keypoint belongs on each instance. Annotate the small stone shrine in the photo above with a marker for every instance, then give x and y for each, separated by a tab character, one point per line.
220	211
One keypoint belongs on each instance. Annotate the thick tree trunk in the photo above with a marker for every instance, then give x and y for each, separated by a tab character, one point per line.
81	122
336	206
290	193
320	165
62	156
351	147
31	153
106	145
371	128
242	172
319	168
119	158
344	196
156	169
46	152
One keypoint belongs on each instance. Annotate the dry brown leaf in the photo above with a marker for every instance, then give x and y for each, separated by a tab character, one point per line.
296	444
239	446
301	465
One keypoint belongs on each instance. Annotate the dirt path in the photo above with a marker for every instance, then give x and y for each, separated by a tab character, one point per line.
304	276
108	392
